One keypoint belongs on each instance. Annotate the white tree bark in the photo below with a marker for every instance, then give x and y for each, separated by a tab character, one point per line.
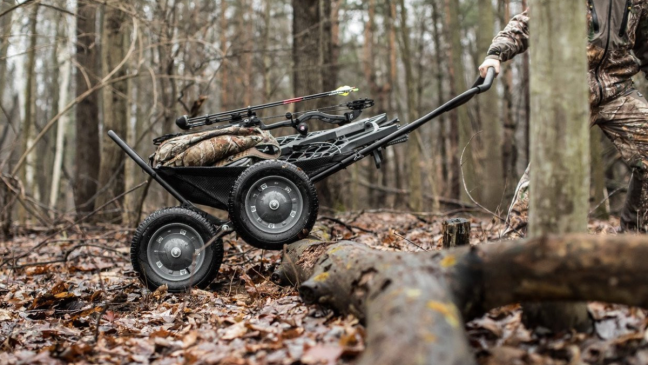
66	72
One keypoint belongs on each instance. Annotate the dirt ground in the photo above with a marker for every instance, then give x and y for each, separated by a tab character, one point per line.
74	298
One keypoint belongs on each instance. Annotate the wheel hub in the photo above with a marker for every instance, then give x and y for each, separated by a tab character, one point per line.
274	204
176	252
171	251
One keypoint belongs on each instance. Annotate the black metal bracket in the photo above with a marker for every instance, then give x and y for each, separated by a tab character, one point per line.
378	157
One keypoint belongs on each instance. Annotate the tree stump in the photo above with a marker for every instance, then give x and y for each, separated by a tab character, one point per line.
456	232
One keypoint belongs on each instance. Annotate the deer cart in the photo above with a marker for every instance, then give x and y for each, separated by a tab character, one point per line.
269	203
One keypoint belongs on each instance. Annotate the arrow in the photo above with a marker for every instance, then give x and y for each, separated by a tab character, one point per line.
188	123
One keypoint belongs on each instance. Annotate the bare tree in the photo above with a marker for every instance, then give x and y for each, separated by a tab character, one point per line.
489	116
560	155
413	151
114	39
87	111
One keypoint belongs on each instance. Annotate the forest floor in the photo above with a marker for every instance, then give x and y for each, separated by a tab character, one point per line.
89	307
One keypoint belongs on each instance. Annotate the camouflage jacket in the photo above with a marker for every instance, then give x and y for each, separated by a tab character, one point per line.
617	47
215	147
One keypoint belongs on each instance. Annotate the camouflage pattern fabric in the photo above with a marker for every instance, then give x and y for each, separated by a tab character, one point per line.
210	148
617	28
625	121
518	214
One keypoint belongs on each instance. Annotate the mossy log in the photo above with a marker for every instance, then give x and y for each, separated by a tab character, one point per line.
414	304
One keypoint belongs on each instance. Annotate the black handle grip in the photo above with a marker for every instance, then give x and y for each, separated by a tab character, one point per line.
183	123
485	83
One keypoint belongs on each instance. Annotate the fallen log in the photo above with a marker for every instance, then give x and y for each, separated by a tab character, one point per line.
414	304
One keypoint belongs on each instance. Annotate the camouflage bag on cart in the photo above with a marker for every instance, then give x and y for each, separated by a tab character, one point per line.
218	147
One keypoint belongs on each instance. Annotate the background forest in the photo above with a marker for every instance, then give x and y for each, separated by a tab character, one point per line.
71	288
71	70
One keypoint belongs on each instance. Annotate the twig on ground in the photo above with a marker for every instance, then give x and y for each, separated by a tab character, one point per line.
408	241
346	225
46	239
98	323
66	255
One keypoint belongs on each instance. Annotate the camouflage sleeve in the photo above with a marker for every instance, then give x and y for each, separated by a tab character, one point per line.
641	41
513	40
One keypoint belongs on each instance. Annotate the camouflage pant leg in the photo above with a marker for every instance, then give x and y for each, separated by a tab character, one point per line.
625	121
518	214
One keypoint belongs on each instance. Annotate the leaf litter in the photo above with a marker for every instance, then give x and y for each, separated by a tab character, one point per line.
91	308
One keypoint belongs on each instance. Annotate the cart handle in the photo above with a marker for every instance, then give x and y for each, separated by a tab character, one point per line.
480	86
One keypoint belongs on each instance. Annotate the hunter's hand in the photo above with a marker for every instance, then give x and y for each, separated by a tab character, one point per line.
483	69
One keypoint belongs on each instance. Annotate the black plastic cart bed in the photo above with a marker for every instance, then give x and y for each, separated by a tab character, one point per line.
270	203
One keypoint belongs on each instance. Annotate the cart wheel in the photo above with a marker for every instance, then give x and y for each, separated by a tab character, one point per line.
163	247
273	203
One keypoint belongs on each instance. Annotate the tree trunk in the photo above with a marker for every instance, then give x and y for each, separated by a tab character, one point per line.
5	28
306	49
87	111
245	16
414	304
224	69
560	152
267	60
311	42
465	130
30	104
61	127
394	165
455	70
413	150
493	179
526	119
438	57
509	148
132	172
115	111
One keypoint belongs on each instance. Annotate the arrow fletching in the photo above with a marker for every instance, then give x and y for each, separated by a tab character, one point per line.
344	90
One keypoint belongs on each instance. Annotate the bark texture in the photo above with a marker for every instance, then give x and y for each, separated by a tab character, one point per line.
312	72
115	110
414	304
461	128
29	106
489	116
413	149
87	111
560	155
